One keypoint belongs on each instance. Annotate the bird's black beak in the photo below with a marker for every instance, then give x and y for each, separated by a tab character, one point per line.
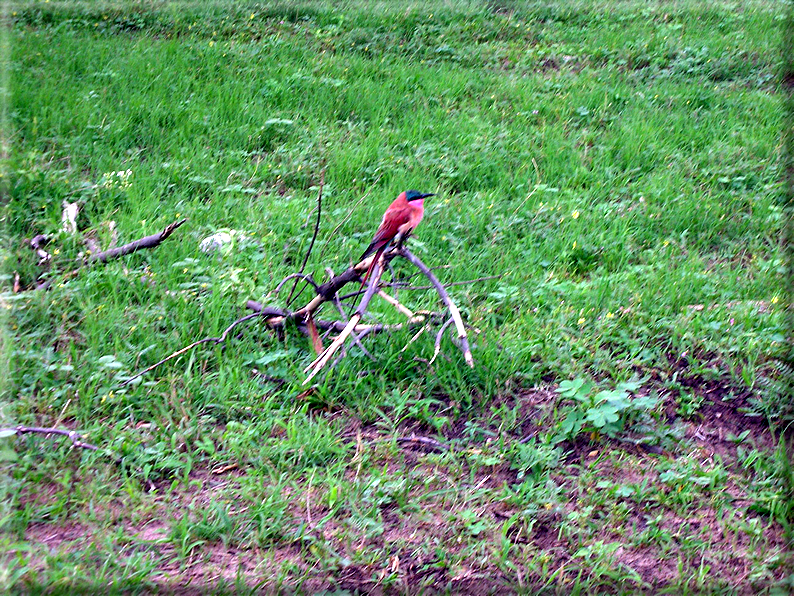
426	194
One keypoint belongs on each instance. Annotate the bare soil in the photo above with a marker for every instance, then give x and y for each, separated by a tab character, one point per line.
412	567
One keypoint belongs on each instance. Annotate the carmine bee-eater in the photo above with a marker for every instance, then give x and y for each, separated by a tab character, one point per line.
401	217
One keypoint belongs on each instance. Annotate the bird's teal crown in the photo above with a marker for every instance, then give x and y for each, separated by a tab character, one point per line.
413	195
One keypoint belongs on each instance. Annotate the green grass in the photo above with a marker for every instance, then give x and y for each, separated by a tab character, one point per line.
617	163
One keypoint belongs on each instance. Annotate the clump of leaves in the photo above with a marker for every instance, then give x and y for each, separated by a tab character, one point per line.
533	458
606	411
581	260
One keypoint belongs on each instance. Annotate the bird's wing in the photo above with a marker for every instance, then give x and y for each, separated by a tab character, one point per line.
392	220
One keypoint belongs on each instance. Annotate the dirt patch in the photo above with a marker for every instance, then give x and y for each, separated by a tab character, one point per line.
56	535
722	420
427	540
653	568
151	532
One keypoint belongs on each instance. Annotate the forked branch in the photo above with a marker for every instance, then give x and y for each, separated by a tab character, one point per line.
320	362
317	365
453	309
305	318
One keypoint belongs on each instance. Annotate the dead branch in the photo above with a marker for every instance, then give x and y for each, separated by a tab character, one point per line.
74	436
314	236
217	340
317	365
407	286
147	242
276	318
328	292
320	362
453	309
151	241
305	320
439	335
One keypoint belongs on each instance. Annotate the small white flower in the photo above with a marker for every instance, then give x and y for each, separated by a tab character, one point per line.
120	179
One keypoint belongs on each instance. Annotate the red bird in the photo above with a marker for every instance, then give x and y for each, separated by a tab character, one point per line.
402	216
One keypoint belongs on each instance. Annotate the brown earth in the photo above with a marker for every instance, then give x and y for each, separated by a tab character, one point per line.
411	568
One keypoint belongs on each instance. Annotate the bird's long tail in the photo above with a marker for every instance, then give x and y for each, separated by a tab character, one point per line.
375	259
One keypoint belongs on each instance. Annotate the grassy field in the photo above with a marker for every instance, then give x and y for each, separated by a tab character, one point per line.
617	164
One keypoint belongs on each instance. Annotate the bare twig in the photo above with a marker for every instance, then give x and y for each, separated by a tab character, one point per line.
356	338
453	309
439	335
314	235
275	318
396	304
393	279
416	336
406	286
74	436
318	364
151	241
216	340
355	294
340	309
148	242
328	290
307	278
350	213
